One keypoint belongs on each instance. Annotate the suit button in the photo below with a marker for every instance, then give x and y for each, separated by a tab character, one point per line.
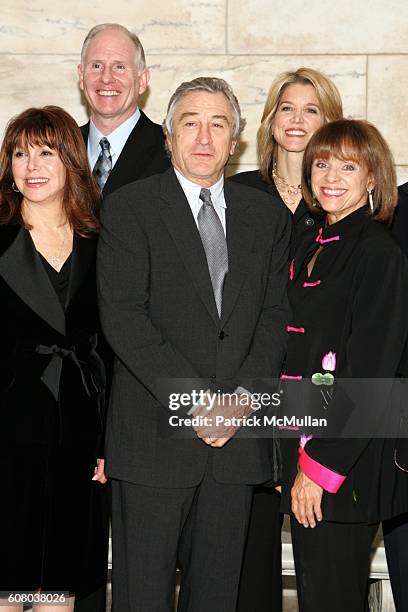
221	335
309	222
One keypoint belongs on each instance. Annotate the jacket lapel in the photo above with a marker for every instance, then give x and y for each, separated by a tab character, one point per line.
240	237
180	223
83	257
176	214
21	268
133	158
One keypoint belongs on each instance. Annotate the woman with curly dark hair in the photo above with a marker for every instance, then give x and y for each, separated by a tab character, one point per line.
52	532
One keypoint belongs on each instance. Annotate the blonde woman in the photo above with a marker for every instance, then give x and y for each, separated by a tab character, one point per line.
299	102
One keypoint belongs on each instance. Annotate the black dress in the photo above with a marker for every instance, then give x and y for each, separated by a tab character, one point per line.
353	304
52	529
261	578
59	280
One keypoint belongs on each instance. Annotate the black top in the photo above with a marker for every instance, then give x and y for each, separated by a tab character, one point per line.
303	220
354	304
59	280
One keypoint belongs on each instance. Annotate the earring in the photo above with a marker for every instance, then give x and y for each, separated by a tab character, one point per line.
14	188
370	201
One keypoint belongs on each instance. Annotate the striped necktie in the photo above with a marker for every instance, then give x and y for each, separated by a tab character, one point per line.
103	166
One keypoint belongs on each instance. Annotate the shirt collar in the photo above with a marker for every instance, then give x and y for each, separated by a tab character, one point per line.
192	190
117	138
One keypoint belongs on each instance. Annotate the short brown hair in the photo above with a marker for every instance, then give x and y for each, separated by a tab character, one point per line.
54	127
361	142
329	100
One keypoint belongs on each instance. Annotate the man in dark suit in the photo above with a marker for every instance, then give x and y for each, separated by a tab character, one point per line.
123	144
112	75
192	275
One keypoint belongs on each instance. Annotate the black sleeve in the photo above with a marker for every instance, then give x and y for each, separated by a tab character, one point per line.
400	221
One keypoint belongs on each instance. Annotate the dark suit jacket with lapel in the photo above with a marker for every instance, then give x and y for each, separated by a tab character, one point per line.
142	155
31	316
158	313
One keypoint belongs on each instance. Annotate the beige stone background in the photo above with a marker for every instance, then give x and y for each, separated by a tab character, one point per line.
361	44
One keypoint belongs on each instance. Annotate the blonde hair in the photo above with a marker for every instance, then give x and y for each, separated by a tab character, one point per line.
360	142
329	100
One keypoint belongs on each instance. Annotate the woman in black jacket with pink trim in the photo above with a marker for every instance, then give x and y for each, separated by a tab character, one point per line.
349	296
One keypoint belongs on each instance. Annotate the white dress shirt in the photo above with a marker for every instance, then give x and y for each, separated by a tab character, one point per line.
192	193
117	139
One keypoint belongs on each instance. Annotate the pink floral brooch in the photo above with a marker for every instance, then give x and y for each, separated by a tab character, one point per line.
329	365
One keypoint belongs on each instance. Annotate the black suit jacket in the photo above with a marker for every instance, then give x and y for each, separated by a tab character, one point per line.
142	155
159	315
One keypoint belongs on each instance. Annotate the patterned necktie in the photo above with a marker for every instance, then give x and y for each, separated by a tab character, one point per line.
103	166
215	245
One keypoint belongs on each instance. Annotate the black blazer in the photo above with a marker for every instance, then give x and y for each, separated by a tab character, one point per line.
303	221
142	155
354	304
159	315
50	374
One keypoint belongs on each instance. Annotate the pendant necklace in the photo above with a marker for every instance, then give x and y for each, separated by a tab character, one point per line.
56	259
288	192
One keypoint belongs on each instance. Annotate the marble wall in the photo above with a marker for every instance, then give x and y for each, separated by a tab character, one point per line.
362	45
